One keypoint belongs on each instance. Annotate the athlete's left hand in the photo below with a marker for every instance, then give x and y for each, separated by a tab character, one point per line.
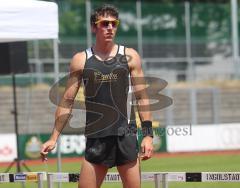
146	148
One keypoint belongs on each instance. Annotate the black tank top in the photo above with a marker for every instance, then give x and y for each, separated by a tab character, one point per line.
106	85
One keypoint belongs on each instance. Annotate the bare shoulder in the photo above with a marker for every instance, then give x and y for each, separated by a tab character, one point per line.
133	57
132	53
78	62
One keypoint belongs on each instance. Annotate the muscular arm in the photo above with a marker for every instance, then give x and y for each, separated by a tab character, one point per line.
65	105
139	85
139	88
64	108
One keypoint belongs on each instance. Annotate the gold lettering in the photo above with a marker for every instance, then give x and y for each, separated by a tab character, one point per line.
105	77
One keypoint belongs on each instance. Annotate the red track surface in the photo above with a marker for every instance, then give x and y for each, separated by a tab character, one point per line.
158	155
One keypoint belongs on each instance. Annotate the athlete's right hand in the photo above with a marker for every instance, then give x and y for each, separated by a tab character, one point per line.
46	148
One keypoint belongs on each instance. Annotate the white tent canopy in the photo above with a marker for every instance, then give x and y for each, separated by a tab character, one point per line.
22	20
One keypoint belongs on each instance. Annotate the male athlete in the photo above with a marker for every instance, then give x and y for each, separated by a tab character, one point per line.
111	139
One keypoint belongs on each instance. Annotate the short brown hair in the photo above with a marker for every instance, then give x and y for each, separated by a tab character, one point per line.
106	9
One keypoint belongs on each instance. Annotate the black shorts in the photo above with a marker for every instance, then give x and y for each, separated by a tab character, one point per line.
112	150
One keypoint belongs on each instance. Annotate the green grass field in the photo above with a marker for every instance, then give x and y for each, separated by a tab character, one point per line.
221	163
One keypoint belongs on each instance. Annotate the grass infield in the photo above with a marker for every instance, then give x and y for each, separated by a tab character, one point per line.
214	162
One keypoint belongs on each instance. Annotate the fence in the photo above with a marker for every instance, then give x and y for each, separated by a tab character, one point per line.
178	41
181	41
160	179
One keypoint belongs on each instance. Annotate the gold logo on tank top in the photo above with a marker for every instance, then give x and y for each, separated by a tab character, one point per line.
99	77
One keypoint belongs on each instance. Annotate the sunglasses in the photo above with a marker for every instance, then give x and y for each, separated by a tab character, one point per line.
105	23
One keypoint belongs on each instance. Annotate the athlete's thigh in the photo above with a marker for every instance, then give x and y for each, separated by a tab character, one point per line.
130	174
91	175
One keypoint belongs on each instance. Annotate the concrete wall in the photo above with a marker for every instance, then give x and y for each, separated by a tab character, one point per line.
36	112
